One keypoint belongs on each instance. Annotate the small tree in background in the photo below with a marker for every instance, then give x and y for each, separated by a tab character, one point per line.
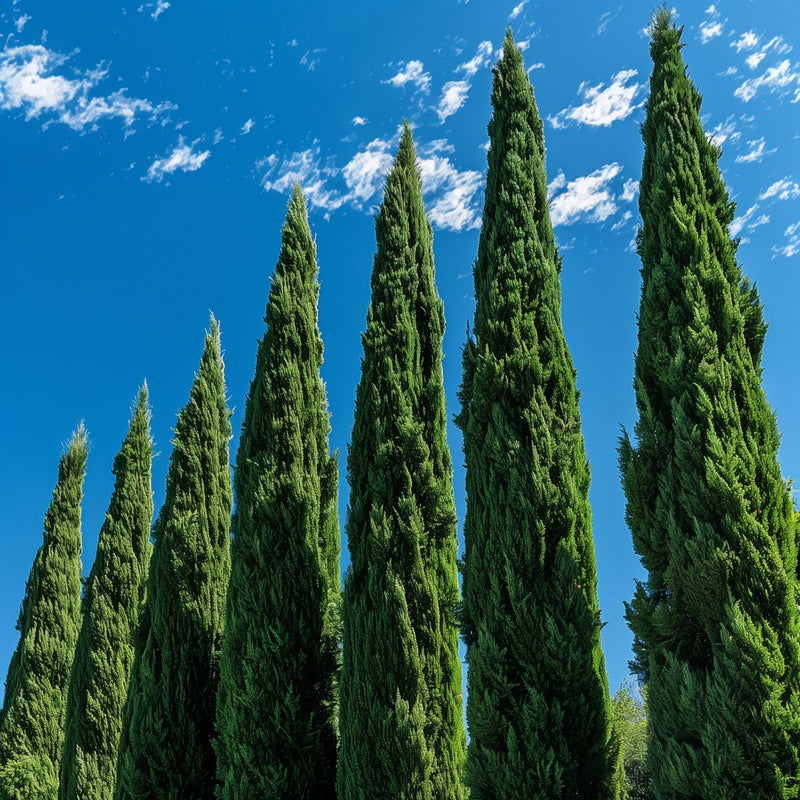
34	709
111	608
166	751
630	724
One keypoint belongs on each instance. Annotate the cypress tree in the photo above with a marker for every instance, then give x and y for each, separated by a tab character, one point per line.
166	751
401	720
277	707
112	603
32	717
716	621
538	708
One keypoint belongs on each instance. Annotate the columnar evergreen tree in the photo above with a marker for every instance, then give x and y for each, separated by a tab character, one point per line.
277	707
538	708
401	719
716	622
32	717
112	604
166	750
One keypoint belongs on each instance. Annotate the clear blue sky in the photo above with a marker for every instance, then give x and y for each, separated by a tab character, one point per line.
147	152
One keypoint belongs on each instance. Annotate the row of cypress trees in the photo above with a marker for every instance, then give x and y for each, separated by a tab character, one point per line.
198	668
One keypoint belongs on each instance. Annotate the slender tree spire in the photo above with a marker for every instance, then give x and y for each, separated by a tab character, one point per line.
401	677
538	707
112	604
33	713
276	710
716	622
166	751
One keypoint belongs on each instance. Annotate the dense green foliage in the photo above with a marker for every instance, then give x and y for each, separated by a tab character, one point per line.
716	622
538	705
401	726
33	713
280	657
110	611
166	750
630	725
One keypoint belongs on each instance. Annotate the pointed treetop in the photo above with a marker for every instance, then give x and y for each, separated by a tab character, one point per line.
663	34
78	444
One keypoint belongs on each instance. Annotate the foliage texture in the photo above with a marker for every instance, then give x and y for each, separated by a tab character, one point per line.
401	711
280	659
166	751
716	621
33	713
538	706
110	611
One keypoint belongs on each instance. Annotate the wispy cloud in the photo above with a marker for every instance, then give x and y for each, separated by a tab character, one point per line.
183	158
712	26
605	19
450	193
747	41
31	81
454	95
359	121
414	73
792	248
21	21
629	190
482	58
776	79
161	7
603	104
758	149
784	189
723	131
517	10
754	59
311	58
588	198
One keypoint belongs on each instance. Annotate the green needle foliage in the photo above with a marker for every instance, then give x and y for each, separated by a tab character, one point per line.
112	604
280	658
33	713
538	705
716	622
166	751
401	711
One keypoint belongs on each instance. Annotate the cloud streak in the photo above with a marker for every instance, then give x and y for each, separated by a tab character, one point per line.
414	73
602	104
588	198
183	158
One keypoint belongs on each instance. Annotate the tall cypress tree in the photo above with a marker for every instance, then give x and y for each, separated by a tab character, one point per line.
401	721
112	604
716	622
166	751
32	717
280	659
538	707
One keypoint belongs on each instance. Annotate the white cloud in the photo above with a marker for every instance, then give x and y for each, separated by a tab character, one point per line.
622	221
454	95
711	27
450	194
756	153
747	41
161	7
453	206
587	198
793	247
774	79
218	137
754	59
629	190
30	82
182	158
537	65
784	189
728	72
365	171
738	223
21	21
723	131
482	58
517	10
414	73
310	58
605	19
358	121
247	127
604	104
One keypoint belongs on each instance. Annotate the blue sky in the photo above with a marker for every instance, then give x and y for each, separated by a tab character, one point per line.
147	155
